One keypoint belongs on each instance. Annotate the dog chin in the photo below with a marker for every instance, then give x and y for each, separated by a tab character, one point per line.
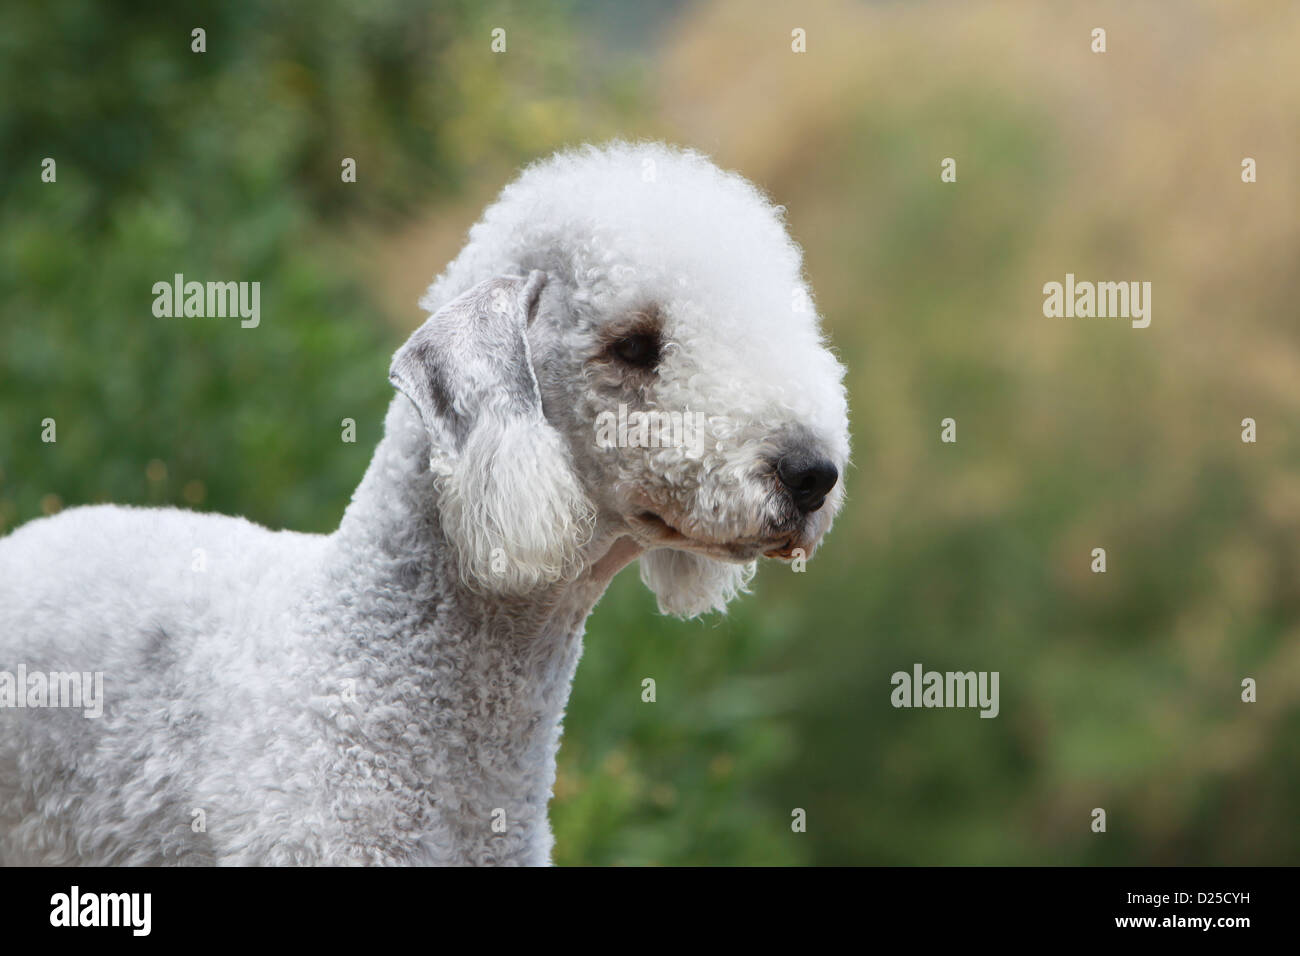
653	530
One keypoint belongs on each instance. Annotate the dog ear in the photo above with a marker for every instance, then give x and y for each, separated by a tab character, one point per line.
509	502
688	585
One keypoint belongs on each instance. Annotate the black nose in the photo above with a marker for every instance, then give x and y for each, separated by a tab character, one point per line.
807	478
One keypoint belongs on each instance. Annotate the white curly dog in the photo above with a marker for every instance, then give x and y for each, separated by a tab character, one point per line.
392	693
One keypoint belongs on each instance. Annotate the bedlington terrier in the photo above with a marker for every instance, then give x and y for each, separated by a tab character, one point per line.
623	363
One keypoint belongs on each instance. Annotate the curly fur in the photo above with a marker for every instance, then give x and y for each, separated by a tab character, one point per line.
392	693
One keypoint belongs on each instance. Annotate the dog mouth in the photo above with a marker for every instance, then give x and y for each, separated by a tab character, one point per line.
650	520
786	551
664	533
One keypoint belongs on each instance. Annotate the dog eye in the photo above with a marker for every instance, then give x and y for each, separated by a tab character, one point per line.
640	350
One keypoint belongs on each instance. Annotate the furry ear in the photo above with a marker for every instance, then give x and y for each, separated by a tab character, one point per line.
509	501
688	585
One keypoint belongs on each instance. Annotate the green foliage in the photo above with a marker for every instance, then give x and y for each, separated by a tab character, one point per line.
222	165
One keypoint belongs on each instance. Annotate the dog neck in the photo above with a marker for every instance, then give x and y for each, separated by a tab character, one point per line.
483	679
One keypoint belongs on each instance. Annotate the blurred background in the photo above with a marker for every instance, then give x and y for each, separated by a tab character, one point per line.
1119	690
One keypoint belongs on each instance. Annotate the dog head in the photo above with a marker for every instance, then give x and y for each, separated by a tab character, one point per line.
626	346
